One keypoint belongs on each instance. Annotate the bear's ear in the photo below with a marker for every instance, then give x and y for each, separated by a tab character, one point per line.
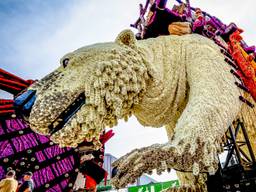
126	37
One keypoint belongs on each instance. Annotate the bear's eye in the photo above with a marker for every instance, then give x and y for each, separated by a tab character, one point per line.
65	62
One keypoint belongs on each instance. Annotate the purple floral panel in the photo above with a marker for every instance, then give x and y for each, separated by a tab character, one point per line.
54	168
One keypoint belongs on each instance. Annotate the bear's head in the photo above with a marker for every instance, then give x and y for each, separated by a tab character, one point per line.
94	87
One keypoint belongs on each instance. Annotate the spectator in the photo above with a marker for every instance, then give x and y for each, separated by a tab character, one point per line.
28	184
9	184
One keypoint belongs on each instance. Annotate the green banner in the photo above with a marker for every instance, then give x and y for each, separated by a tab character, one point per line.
154	187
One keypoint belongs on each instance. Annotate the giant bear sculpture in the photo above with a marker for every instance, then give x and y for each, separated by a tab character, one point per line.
180	82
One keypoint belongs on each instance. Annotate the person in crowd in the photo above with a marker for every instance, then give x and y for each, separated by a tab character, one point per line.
9	184
28	184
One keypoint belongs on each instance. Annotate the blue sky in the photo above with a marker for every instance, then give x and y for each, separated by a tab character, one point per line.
23	23
35	34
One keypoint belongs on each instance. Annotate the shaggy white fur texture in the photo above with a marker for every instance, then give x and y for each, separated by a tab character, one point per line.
192	91
181	82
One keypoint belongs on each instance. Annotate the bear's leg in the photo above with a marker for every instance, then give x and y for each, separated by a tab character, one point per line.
190	182
212	106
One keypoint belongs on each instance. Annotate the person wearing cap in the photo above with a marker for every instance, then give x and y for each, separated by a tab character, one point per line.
28	184
9	184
